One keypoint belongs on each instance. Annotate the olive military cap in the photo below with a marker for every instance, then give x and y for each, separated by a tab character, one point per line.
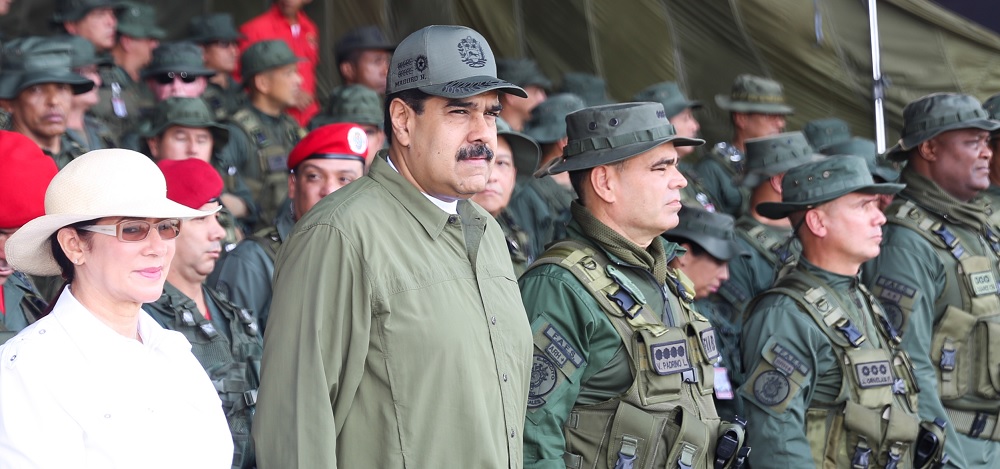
525	150
714	232
36	60
522	72
590	87
775	154
83	53
265	55
177	57
669	95
74	10
822	133
185	112
935	114
992	106
812	184
364	38
446	61
753	94
548	120
205	29
878	165
353	103
615	132
138	20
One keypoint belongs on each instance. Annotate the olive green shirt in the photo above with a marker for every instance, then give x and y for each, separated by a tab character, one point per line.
694	193
95	134
719	173
396	339
122	101
223	102
541	207
22	304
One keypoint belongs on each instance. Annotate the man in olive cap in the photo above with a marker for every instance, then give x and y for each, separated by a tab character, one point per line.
591	296
217	37
938	271
680	114
37	88
526	74
266	132
757	108
395	311
363	56
94	20
516	154
357	104
821	133
82	126
827	385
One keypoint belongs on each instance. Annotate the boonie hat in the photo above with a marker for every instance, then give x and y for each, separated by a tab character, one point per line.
807	186
265	55
343	141
177	57
446	61
822	133
191	182
353	103
669	95
935	114
101	183
522	72
36	60
368	37
204	29
714	232
615	132
776	154
138	20
877	164
525	151
186	112
548	119
754	94
589	87
22	192
73	10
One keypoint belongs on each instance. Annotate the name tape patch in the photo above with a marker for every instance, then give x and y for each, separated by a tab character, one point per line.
983	283
568	352
669	358
874	374
787	362
709	344
894	291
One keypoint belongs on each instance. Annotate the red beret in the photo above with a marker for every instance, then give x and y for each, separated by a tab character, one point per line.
191	182
343	141
25	173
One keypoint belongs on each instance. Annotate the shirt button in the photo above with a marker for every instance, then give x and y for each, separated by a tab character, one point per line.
493	320
505	377
452	219
41	331
513	433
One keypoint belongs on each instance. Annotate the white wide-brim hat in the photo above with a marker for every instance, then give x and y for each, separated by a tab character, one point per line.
102	183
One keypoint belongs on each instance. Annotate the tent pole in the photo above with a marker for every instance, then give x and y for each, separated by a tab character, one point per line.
878	82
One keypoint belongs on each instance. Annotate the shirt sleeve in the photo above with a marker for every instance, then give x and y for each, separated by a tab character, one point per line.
720	186
314	349
244	275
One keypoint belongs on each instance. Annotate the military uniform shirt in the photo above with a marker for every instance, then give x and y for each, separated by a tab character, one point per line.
22	305
223	102
541	208
721	181
402	331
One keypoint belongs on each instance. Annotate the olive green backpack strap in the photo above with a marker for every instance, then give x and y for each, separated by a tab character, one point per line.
908	214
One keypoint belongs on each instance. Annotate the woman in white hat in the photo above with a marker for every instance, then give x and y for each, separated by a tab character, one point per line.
97	383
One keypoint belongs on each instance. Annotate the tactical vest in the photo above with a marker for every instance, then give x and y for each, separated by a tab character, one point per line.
270	240
234	367
69	150
873	422
728	157
965	343
271	188
667	417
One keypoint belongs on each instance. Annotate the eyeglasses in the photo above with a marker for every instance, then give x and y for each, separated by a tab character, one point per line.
131	231
169	77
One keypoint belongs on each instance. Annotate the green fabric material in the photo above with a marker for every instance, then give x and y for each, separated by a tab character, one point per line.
185	112
925	118
717	173
652	258
22	303
669	95
223	102
753	94
518	243
821	133
364	38
972	214
95	134
352	309
265	55
541	208
713	232
34	60
177	57
773	155
522	72
139	21
548	119
69	150
694	193
134	97
204	29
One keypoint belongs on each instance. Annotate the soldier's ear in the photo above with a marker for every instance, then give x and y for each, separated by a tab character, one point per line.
602	182
347	71
775	182
401	117
815	222
928	150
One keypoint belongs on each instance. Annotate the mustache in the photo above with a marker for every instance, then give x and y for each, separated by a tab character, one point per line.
478	150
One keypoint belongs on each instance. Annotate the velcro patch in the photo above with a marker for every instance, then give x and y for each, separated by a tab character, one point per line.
787	362
874	374
771	388
544	379
894	291
669	358
710	345
983	283
560	343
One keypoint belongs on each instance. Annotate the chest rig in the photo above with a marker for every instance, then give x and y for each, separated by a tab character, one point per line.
965	342
872	423
273	145
667	417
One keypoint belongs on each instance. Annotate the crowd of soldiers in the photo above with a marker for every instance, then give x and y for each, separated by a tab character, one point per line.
614	297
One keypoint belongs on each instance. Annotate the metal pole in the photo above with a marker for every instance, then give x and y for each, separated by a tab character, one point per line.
878	83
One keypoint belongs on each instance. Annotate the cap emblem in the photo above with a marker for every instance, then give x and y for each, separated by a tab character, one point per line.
471	52
357	139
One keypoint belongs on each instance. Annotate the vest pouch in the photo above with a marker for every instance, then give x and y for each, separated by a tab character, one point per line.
901	433
704	340
904	371
950	352
637	437
824	431
863	430
872	376
586	436
662	365
987	360
690	447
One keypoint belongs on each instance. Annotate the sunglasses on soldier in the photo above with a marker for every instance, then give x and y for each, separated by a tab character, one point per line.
132	231
169	77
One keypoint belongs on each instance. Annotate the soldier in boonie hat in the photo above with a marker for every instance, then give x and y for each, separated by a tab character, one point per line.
94	20
992	106
363	56
881	168
591	88
217	37
263	56
753	94
935	114
214	27
357	104
82	126
177	69
187	113
710	241
774	155
822	133
525	73
678	108
138	20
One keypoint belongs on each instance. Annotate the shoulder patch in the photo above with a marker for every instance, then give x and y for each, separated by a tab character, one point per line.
560	350
771	388
894	290
543	380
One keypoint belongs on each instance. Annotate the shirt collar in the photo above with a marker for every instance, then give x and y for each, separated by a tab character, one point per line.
423	210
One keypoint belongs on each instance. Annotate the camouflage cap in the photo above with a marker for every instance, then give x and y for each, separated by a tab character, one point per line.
446	61
74	10
185	112
204	29
525	150
82	52
548	119
822	133
354	103
36	60
812	184
265	55
669	95
878	165
714	232
937	113
588	86
368	37
615	132
138	20
177	57
754	94
992	106
522	72
776	154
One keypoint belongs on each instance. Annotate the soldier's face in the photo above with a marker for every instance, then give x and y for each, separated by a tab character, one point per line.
706	272
686	126
39	111
316	178
4	9
645	195
959	161
283	84
98	26
519	106
178	86
851	228
181	143
376	139
198	246
500	185
370	69
222	56
760	125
